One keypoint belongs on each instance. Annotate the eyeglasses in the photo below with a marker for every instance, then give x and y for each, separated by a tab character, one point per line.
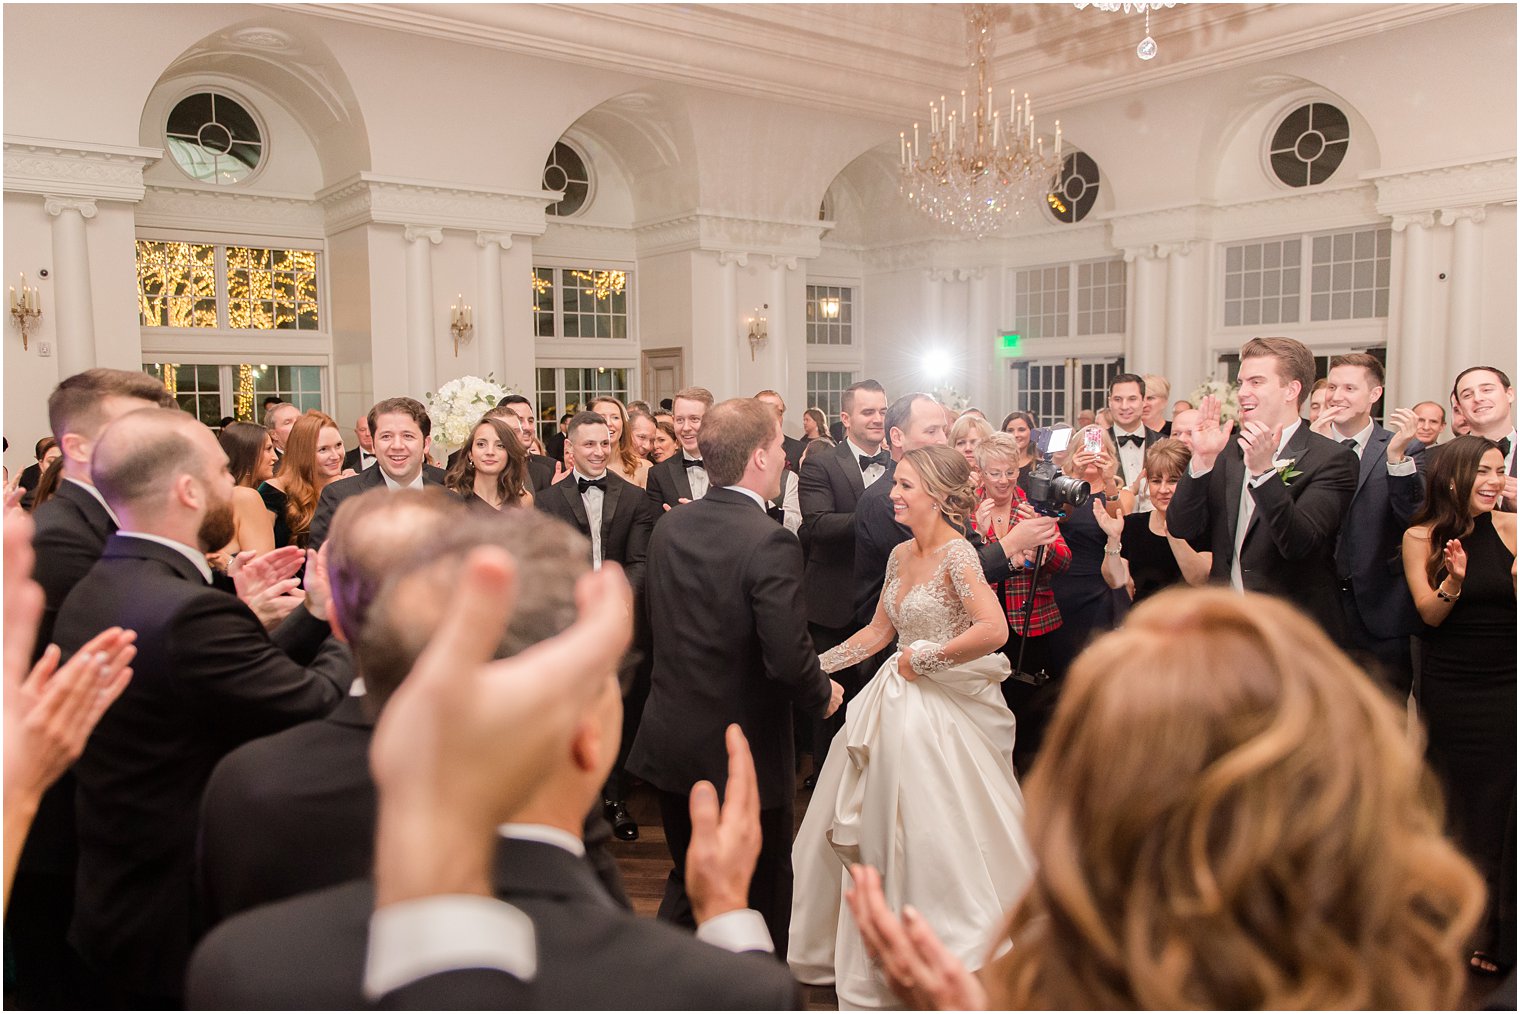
999	476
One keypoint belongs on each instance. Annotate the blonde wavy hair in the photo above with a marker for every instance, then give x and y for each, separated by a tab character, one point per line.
946	477
1227	813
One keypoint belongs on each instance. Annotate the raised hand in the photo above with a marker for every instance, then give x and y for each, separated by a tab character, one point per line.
1455	558
918	968
318	592
1258	443
725	841
1402	422
1210	438
1112	526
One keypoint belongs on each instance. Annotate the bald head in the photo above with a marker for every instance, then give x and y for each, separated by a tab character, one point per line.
139	456
1183	425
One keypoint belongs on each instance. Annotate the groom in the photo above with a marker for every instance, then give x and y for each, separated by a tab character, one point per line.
723	582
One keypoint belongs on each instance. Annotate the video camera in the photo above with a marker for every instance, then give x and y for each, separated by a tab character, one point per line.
1050	491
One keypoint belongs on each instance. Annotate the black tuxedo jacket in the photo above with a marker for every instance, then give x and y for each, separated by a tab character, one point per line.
1369	550
627	520
877	533
1289	549
730	645
352	460
71	533
206	678
667	484
792	448
1151	436
309	953
295	812
336	492
540	472
828	490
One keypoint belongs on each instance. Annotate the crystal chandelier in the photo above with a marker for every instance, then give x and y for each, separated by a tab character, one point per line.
978	171
1147	48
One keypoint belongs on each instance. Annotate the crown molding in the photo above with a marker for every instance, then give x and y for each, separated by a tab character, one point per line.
42	166
727	234
367	198
186	208
1489	180
585	241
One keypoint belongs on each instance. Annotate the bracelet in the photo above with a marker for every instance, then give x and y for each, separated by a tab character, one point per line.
1112	552
1442	594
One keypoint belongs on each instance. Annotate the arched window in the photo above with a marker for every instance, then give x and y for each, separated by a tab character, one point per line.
1077	190
567	170
214	139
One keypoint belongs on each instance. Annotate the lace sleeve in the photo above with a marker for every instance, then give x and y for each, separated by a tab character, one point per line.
870	639
930	660
844	655
965	568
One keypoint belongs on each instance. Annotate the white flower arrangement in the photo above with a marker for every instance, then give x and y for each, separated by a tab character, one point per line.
457	407
1229	403
951	399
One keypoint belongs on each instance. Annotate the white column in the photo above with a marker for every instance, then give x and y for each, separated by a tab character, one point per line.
1465	288
933	334
777	353
1174	361
981	356
489	332
1147	340
1417	364
421	358
732	333
73	294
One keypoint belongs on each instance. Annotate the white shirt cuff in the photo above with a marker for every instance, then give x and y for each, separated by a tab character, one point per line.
1196	473
1257	480
411	940
1405	467
738	931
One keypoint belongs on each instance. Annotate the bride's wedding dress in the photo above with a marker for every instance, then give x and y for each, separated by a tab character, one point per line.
919	784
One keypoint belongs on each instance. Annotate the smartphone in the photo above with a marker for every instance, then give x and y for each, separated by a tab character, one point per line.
1092	440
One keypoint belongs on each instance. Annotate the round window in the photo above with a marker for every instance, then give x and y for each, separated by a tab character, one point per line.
566	170
214	139
1076	190
1309	144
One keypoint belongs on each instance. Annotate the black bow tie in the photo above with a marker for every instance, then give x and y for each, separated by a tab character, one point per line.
693	462
1133	439
879	458
585	484
1504	447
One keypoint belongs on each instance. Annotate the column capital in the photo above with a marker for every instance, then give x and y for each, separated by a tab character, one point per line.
414	233
1165	250
1474	213
1423	219
56	205
778	260
727	257
1138	253
486	239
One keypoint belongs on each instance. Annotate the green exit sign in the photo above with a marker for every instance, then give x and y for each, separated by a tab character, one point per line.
1009	345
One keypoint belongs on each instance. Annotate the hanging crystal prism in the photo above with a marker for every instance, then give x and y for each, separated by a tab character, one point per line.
1147	48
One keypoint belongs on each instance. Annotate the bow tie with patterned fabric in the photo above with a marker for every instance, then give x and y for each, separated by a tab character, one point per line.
1133	439
693	462
879	458
585	484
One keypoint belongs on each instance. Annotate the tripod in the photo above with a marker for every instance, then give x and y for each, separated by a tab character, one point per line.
1042	677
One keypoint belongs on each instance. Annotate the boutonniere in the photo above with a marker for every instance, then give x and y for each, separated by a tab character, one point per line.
1285	470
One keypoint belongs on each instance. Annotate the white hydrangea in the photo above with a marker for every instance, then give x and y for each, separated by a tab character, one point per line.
457	407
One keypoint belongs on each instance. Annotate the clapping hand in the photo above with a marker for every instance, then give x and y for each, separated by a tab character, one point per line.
923	974
1402	422
1112	526
1455	558
1210	438
725	841
1258	443
266	582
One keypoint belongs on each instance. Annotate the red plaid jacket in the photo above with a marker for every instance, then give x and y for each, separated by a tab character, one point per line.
1046	616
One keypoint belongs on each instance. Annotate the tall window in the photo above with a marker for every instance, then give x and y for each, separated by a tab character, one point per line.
570	389
825	390
829	315
211	391
1346	274
1046	305
580	303
1055	390
238	288
1042	301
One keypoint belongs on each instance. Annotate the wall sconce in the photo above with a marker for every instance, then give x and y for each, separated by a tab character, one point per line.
461	322
828	307
26	308
757	330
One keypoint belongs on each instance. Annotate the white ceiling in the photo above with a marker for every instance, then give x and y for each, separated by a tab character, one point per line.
888	61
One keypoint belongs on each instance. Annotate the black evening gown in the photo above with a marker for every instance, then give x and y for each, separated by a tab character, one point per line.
1467	699
1152	565
275	501
1089	607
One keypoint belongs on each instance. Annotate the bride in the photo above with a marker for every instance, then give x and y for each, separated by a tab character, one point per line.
919	782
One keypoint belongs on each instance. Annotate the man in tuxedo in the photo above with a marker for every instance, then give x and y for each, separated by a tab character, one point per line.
729	646
517	412
1126	404
1270	504
1378	611
363	454
278	420
71	532
1486	400
207	676
402	436
1429	423
565	941
295	812
618	519
683	477
791	445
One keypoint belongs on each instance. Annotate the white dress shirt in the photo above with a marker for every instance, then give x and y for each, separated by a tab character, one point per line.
1131	457
593	499
1248	503
870	474
393	484
195	556
697	477
96	494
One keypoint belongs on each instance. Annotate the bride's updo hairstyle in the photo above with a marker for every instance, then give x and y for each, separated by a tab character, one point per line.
1227	813
946	477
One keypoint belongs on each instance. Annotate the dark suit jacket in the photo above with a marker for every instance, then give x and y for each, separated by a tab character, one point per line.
295	812
730	645
792	448
627	521
351	460
540	472
309	953
877	533
1289	549
1151	436
827	491
336	492
206	678
71	533
667	484
1369	550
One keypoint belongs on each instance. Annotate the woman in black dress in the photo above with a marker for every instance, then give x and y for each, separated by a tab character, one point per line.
492	473
1459	559
1141	556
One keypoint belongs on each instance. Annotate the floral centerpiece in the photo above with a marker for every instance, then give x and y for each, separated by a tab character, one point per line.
457	407
952	399
1227	393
